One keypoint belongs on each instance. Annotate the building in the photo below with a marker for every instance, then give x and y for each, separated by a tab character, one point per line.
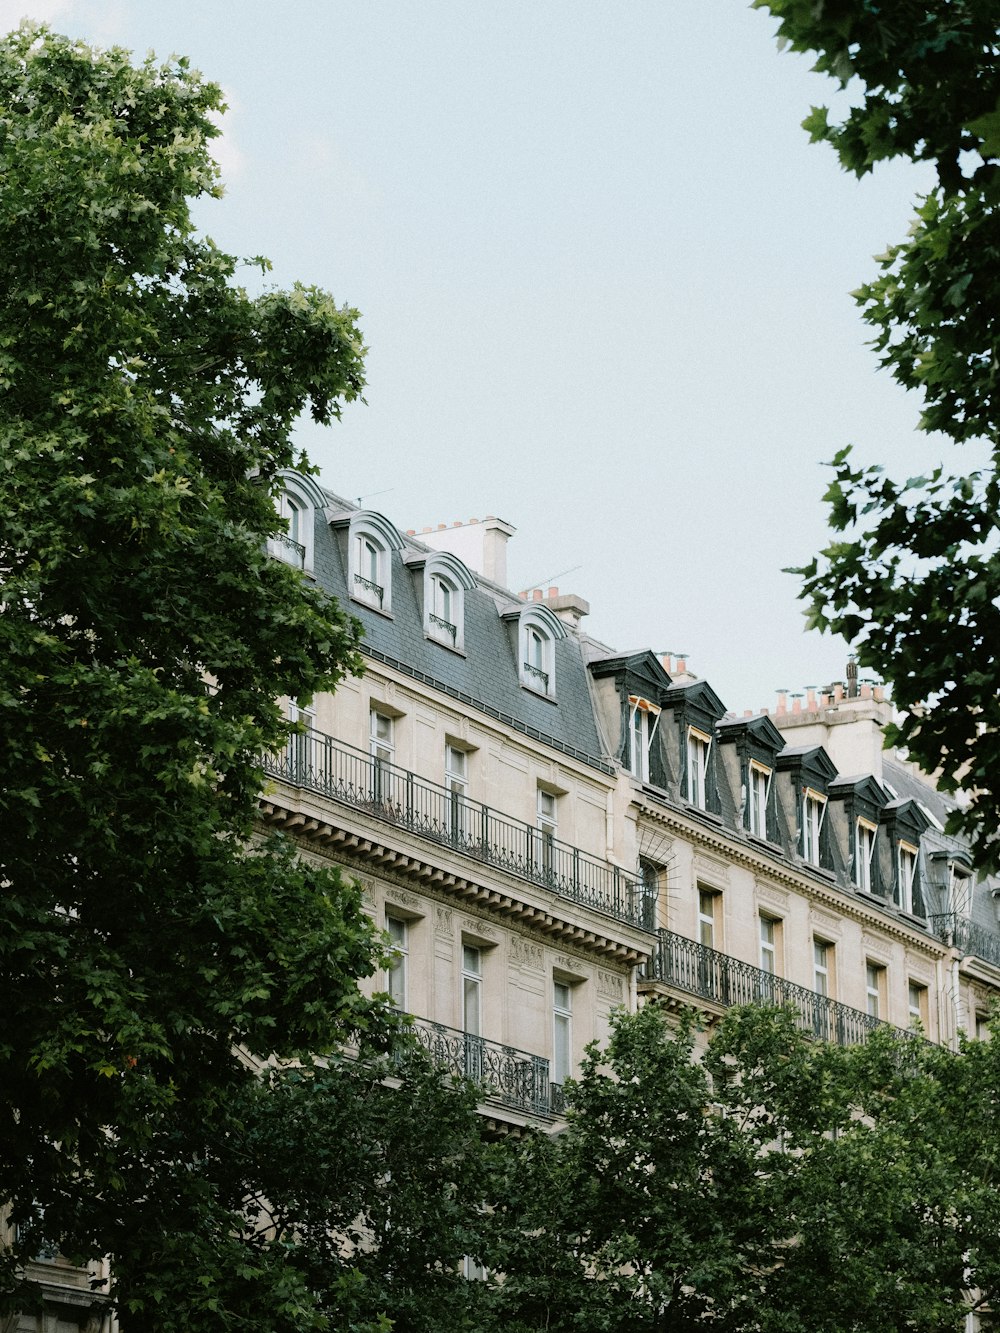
549	830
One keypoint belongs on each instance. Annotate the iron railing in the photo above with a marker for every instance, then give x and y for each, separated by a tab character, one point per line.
507	1076
292	552
966	936
728	981
397	796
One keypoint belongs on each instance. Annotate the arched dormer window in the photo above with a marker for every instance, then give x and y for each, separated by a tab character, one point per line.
296	504
446	581
538	631
371	542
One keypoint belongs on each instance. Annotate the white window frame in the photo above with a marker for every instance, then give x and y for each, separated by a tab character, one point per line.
296	505
770	943
759	778
813	814
916	1002
371	542
397	973
874	988
562	1030
708	902
538	631
547	824
865	834
446	581
382	748
456	781
822	967
906	874
299	749
472	990
643	721
699	750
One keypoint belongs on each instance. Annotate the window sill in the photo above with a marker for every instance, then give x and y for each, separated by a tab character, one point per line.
530	689
370	606
459	651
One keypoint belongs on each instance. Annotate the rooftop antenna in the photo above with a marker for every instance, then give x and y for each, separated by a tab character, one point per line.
372	494
542	582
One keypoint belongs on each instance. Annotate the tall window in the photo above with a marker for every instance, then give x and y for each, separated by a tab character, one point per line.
456	771
698	745
538	628
649	874
294	545
917	1004
813	812
369	572
769	937
382	748
562	1036
472	1009
643	720
545	822
864	852
760	785
906	873
707	907
444	615
300	744
875	989
536	659
822	960
396	977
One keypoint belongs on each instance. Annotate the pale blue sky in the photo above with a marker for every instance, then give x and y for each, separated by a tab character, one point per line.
603	276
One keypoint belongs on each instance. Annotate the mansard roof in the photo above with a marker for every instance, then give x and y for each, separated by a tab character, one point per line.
643	670
812	760
698	697
759	730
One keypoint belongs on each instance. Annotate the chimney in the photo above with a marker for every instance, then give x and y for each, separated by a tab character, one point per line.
782	702
811	698
480	543
567	606
852	677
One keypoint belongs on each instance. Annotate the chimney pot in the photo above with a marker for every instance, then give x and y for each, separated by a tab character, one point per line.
537	594
553	592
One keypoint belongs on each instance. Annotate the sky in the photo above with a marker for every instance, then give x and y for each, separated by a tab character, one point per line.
603	276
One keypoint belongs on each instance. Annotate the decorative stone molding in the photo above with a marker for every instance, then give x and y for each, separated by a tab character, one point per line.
611	985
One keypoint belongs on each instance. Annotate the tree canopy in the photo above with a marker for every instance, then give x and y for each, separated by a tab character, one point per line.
153	949
914	580
775	1184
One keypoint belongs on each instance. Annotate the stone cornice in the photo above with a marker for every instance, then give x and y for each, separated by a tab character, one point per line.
502	897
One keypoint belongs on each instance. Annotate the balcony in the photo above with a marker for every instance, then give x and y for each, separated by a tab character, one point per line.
398	797
727	981
508	1077
966	936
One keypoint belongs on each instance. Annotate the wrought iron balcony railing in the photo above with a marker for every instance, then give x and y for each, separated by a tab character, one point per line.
727	981
966	936
285	548
507	1076
397	796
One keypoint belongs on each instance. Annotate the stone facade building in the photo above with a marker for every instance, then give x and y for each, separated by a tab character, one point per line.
549	830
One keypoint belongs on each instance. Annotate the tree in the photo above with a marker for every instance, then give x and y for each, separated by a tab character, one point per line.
914	582
153	949
777	1184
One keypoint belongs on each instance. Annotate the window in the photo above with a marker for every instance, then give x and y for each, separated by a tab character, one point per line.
649	875
813	812
296	506
562	1031
545	822
698	747
299	753
382	749
372	540
538	631
473	1270
864	851
875	989
822	966
917	1004
643	720
708	902
770	932
760	786
906	873
472	1009
456	780
446	581
396	976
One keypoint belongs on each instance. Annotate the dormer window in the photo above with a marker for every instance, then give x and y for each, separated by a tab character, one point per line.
372	540
760	787
813	814
906	874
538	630
698	748
864	852
446	581
644	718
296	505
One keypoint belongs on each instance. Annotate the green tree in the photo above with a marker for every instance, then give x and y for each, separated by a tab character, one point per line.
147	935
778	1184
915	578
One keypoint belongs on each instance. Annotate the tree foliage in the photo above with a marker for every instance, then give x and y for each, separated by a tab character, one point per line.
778	1184
914	581
146	934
